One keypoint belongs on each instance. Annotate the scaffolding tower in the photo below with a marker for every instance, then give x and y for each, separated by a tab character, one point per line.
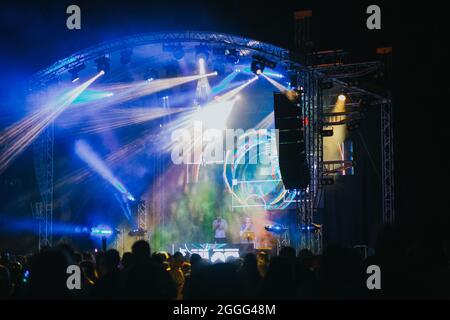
142	218
43	161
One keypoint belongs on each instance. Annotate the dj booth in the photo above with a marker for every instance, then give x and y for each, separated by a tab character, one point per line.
215	252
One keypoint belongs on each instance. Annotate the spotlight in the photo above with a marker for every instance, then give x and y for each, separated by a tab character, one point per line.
101	231
74	77
276	229
201	51
232	55
259	63
257	67
125	56
74	72
137	232
293	81
201	65
309	227
342	97
150	75
103	64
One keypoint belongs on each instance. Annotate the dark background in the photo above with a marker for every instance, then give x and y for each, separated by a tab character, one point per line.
33	35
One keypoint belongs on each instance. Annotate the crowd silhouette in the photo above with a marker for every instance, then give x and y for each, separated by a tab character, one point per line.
408	271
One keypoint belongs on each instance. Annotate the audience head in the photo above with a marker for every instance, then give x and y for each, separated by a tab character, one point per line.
305	258
110	261
195	260
287	252
128	260
5	282
177	260
141	250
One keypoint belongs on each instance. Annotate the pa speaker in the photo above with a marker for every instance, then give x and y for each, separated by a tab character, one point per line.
291	143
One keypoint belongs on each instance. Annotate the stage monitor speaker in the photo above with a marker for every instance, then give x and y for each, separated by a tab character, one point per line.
291	143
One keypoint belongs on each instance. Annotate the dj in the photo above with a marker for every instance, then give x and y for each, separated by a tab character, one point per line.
220	227
247	231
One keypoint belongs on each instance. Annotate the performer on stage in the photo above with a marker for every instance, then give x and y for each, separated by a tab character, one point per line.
247	231
220	227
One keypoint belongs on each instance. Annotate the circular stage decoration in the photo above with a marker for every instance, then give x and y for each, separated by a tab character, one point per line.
252	175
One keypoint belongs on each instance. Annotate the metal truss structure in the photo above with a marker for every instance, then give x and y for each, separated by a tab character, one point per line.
244	45
142	216
338	74
387	154
43	159
312	110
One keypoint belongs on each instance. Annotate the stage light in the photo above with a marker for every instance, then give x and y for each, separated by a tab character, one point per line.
150	75
22	133
74	72
342	97
101	231
232	55
274	75
201	52
75	77
310	227
137	232
85	152
257	67
103	64
259	63
125	56
293	81
202	66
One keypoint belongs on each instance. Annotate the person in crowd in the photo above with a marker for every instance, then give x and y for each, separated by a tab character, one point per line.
146	280
89	277
250	277
263	263
110	282
176	273
128	260
5	283
48	277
